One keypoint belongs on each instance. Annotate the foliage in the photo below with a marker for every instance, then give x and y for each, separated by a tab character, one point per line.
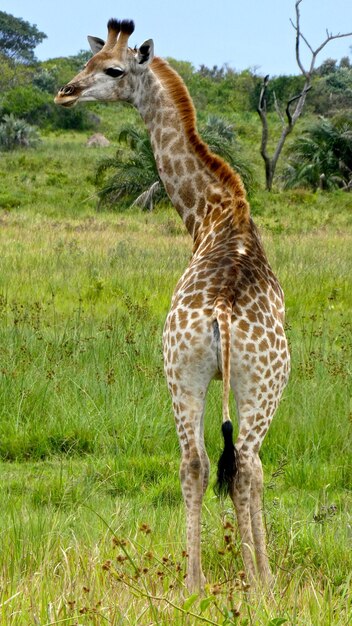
332	92
36	106
219	88
45	79
28	93
322	156
281	88
223	89
13	74
345	62
18	38
77	61
220	137
54	73
340	80
7	73
327	67
27	90
75	118
27	102
16	133
135	177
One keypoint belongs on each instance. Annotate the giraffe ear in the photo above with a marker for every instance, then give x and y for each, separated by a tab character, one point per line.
145	53
95	43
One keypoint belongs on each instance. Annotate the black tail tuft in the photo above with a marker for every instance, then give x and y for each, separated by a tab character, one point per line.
227	466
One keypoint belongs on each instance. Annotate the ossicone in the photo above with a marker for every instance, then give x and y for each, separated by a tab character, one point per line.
127	27
114	25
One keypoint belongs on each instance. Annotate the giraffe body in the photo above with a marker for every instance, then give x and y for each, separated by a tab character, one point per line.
248	294
227	312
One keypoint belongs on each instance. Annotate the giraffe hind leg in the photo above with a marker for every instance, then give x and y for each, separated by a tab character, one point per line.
247	499
194	476
192	484
258	529
241	497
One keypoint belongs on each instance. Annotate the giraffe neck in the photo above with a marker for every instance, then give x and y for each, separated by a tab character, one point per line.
196	180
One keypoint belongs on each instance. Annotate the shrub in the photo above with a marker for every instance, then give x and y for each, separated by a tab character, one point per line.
322	156
36	106
25	102
45	79
16	133
77	118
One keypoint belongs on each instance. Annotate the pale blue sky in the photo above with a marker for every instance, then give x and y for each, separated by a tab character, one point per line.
244	34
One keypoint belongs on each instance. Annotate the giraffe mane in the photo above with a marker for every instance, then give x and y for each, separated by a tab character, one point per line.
222	170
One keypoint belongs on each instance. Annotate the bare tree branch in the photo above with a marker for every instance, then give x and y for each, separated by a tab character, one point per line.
270	163
278	110
262	97
299	96
329	38
265	131
298	36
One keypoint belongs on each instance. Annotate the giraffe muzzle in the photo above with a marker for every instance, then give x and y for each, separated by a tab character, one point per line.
67	96
67	90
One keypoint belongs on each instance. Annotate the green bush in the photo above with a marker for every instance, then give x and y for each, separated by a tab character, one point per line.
46	80
26	102
36	106
78	118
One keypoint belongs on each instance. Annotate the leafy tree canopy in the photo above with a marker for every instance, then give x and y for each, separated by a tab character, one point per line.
18	38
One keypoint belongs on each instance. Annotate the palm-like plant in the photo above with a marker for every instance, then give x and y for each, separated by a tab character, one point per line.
16	133
322	156
135	179
221	139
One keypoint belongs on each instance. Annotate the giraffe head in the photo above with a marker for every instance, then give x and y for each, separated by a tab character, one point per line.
112	72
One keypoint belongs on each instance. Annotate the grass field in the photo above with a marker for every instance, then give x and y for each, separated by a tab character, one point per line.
92	521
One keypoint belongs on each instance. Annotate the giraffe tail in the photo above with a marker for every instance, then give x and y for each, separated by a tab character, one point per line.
228	462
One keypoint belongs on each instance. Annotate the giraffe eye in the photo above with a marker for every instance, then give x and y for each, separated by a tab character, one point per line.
115	72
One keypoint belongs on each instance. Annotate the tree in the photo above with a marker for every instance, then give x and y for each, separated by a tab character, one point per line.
18	38
329	66
297	101
322	157
345	63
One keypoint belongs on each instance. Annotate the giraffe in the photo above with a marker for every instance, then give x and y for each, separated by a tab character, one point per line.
227	312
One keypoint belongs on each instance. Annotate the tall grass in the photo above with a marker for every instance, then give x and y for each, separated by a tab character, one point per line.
92	521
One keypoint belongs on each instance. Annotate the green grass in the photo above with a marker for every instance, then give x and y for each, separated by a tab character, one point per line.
88	448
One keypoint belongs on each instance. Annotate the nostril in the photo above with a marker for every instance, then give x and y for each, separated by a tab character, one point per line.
67	90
